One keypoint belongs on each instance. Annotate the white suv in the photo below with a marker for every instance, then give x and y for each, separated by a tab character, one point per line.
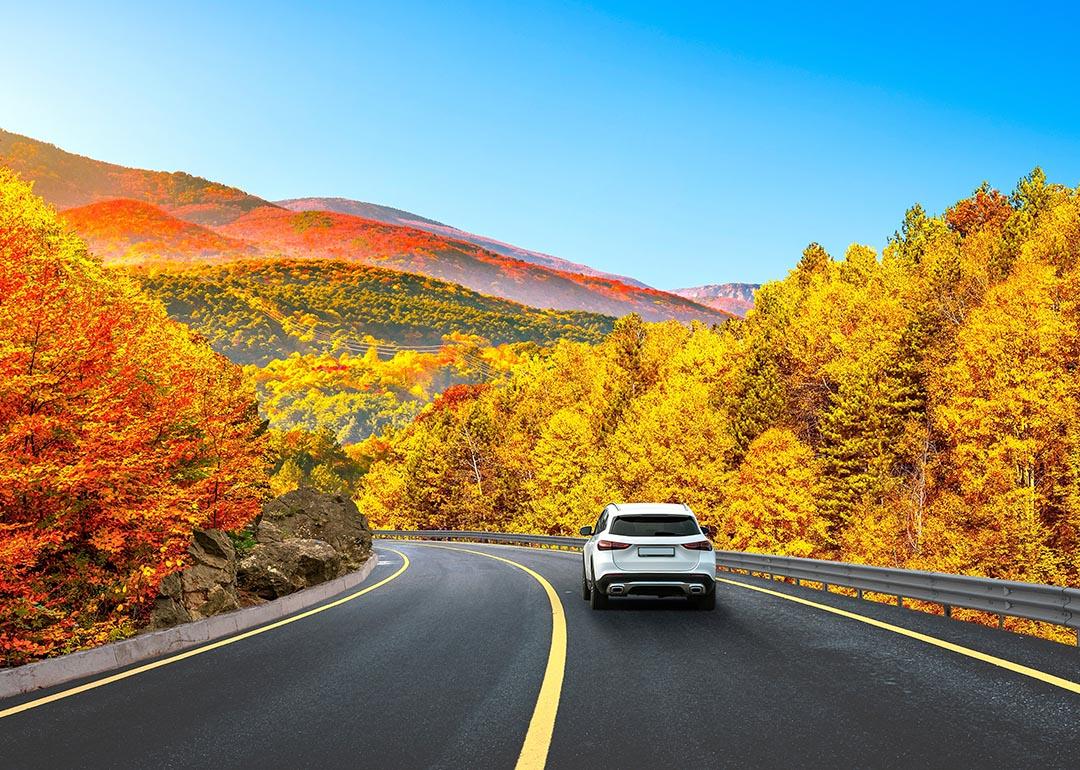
648	549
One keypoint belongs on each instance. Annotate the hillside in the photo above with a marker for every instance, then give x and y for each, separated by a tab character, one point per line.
67	180
257	311
918	408
737	298
72	181
329	235
124	230
392	216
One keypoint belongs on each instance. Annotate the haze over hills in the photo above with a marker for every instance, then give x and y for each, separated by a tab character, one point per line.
394	216
736	298
252	226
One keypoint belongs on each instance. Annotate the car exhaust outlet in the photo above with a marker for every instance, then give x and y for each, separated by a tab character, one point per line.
696	590
616	589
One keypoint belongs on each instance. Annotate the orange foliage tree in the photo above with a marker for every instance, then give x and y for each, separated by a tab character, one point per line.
120	432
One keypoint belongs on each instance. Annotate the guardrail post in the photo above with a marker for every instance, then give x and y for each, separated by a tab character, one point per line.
948	610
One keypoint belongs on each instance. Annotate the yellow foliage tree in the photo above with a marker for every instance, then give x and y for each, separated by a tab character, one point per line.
770	501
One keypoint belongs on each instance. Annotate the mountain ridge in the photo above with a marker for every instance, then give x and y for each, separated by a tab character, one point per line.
736	298
253	226
391	215
67	180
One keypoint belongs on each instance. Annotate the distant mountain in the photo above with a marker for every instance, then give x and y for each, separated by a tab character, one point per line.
66	180
330	235
735	298
394	216
124	230
191	219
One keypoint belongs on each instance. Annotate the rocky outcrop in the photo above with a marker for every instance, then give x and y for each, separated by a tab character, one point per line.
205	588
309	514
271	570
302	538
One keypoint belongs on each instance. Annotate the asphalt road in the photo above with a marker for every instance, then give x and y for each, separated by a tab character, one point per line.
442	666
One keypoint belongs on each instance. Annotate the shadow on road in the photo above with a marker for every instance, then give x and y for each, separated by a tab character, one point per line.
655	604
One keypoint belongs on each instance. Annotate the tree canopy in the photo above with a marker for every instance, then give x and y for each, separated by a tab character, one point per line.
120	432
916	408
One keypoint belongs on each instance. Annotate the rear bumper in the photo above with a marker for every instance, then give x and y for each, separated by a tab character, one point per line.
655	584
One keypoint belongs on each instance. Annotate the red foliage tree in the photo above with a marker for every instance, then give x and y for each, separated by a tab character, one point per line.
120	432
986	208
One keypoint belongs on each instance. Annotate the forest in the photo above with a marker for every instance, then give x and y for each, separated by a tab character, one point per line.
258	311
356	395
121	431
353	349
917	408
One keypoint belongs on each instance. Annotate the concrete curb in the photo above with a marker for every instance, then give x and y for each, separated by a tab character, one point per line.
77	665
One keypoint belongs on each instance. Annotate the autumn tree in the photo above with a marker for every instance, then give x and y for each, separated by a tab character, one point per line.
770	501
916	409
120	432
1012	419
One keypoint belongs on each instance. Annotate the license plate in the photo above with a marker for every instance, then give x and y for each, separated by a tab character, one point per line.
655	550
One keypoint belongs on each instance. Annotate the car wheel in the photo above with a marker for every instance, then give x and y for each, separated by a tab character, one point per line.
598	600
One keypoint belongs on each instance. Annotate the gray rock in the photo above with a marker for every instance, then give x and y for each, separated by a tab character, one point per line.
276	569
309	514
206	587
303	538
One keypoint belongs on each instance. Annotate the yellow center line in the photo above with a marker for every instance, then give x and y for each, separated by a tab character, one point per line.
1008	665
538	738
206	647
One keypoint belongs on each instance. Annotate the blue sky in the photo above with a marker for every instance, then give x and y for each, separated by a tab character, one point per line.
681	145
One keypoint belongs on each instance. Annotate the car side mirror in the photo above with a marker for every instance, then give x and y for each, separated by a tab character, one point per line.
586	531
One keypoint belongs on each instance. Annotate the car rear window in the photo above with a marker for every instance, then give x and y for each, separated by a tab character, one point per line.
643	525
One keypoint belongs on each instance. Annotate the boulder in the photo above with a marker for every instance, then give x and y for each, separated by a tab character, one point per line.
303	538
205	588
312	515
275	569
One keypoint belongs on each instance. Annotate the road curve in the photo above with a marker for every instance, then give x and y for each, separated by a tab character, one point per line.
443	667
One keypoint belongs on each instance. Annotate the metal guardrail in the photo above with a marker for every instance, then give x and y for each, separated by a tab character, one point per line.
1032	601
483	537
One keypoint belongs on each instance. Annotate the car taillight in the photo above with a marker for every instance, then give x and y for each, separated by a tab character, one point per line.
611	545
698	545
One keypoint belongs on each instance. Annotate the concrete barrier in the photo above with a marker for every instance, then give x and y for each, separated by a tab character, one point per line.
116	655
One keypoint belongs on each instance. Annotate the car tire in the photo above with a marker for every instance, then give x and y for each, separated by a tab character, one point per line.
706	602
598	600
